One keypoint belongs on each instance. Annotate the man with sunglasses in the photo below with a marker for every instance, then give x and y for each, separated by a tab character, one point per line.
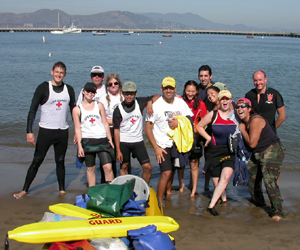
128	130
266	101
159	124
97	76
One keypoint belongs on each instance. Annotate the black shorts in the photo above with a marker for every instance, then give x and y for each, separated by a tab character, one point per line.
104	157
167	164
216	172
137	149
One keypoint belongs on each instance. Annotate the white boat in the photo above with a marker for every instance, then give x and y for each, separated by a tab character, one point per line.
128	33
57	32
99	34
11	31
72	30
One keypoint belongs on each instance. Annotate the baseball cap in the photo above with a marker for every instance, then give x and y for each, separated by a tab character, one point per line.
225	93
90	87
168	81
97	69
245	100
129	87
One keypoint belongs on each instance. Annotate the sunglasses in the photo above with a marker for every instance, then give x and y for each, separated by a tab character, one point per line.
97	74
91	91
113	83
242	106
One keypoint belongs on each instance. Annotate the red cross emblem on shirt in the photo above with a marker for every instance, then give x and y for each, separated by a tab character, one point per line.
58	104
92	120
132	121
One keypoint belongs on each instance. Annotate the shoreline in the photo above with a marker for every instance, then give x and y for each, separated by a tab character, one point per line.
240	224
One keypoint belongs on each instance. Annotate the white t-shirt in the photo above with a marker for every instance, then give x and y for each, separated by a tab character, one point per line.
97	96
114	101
162	112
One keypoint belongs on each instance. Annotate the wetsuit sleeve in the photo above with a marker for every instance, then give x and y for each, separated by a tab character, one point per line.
71	92
117	118
142	101
40	97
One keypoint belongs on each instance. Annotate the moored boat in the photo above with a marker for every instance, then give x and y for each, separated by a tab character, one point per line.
167	35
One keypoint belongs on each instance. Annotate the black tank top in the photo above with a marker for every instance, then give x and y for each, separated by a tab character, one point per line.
267	136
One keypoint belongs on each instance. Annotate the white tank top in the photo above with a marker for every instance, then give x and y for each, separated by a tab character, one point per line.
131	127
91	123
54	112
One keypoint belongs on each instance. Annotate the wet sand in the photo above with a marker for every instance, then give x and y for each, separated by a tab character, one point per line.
240	225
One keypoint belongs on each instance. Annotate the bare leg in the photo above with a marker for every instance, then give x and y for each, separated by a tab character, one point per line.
162	185
147	172
180	179
169	184
91	176
194	164
221	185
124	168
109	175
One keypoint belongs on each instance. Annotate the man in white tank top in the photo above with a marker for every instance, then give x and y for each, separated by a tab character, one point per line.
55	98
128	130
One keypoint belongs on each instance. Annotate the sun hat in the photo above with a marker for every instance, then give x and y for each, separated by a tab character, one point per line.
97	69
129	87
225	93
168	81
245	100
90	87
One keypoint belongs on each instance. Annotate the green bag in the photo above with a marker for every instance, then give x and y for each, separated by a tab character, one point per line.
109	199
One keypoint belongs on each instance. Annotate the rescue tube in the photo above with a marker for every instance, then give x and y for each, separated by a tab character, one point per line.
62	231
72	210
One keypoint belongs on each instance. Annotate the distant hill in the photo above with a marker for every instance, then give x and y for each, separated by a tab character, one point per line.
46	18
111	19
198	22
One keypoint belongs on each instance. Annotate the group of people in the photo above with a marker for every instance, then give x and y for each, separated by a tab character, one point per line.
108	121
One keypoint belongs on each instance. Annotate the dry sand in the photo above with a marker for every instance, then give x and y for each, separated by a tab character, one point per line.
240	225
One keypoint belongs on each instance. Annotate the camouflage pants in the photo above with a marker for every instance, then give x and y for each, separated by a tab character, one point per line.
266	166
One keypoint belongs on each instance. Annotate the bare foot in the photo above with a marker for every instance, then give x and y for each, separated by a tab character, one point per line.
62	192
169	192
276	218
192	195
181	189
20	195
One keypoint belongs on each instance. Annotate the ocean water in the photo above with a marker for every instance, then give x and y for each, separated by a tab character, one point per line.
145	59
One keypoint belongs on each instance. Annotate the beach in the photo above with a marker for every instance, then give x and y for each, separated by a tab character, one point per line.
240	225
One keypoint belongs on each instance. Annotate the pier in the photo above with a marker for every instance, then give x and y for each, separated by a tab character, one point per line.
164	31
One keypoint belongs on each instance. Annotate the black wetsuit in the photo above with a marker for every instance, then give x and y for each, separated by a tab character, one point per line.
47	137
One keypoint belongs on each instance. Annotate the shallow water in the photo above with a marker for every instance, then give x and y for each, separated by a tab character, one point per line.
25	63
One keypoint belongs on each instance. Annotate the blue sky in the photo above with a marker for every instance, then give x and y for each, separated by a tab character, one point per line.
280	14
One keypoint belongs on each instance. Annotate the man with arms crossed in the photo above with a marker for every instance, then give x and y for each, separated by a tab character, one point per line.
55	98
266	101
158	125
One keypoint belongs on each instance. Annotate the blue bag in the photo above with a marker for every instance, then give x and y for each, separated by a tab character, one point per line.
81	200
134	208
147	238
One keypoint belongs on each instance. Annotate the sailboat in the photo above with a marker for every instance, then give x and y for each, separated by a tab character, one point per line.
57	32
44	39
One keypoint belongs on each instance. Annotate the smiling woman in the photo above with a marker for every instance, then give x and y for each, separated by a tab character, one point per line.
266	159
219	161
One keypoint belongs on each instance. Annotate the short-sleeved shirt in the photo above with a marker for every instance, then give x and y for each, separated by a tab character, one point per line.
268	104
162	112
